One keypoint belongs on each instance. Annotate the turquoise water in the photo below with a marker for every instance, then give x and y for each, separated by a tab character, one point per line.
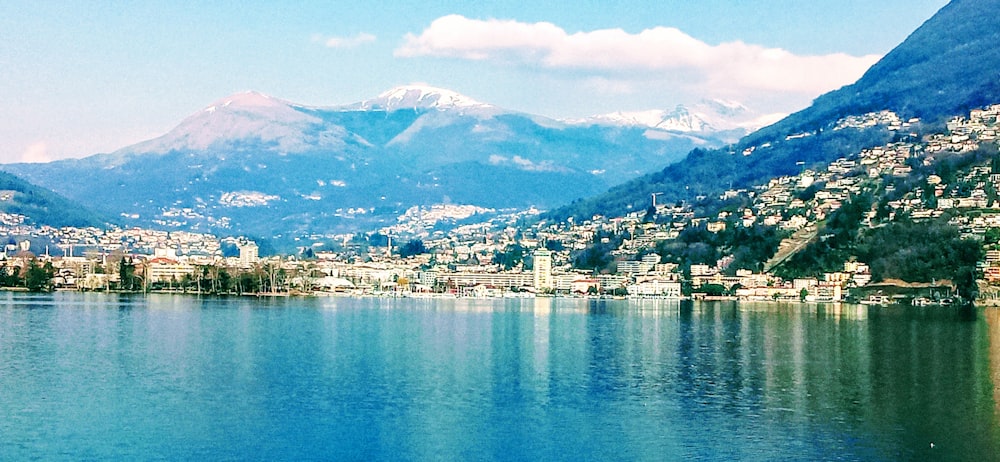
90	376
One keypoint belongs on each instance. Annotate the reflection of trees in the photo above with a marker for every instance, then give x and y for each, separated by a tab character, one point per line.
992	317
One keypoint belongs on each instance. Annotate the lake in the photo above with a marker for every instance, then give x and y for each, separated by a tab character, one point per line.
99	376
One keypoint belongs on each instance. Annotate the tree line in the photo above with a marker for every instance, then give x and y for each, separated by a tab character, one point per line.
34	277
216	279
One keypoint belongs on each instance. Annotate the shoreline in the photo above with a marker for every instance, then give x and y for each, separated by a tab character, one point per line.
979	304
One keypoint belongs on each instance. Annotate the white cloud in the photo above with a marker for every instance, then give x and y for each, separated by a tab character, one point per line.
613	59
36	153
345	42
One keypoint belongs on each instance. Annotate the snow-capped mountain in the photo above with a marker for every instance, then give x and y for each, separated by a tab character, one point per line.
251	163
416	97
248	117
726	119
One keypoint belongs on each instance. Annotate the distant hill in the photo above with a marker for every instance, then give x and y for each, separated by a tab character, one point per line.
43	207
251	163
946	67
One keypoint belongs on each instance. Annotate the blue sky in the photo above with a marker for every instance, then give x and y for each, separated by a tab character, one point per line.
79	78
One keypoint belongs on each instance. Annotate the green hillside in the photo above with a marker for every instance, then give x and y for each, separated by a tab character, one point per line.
41	206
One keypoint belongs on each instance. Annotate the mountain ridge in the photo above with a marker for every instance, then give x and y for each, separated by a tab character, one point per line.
944	68
704	116
300	169
926	76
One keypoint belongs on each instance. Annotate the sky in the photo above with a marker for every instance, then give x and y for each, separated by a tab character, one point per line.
80	78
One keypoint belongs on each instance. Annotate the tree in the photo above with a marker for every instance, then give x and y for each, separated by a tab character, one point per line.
9	275
922	252
511	256
713	290
411	248
992	236
595	257
650	213
186	281
225	281
38	278
554	245
128	280
308	253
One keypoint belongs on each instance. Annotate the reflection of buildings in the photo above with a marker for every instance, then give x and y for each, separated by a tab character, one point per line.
541	336
808	357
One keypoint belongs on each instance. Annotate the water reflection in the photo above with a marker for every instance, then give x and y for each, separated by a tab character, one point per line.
550	379
992	319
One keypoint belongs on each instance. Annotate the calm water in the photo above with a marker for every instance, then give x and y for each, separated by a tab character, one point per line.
85	376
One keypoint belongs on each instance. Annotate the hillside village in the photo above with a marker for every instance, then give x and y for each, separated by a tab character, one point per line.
515	254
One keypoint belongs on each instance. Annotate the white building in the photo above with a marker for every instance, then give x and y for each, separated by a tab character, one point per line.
542	259
655	287
165	270
248	254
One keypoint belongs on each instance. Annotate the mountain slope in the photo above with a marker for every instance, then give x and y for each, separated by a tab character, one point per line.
948	65
43	207
247	116
250	163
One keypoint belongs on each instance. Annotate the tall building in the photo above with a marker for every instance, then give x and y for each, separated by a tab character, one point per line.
542	259
248	254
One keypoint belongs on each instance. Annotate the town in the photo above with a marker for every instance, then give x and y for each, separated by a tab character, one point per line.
516	254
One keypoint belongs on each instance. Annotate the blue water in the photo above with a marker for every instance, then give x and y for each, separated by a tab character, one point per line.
91	376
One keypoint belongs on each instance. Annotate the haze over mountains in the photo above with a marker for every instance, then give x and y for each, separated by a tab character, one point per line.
251	163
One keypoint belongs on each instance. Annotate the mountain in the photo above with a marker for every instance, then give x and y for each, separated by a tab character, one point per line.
246	117
254	164
946	67
726	120
949	65
41	206
417	97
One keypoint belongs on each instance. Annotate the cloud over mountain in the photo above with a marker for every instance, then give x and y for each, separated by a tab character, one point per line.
617	55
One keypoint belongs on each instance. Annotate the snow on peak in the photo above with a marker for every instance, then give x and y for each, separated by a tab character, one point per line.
681	119
242	117
248	100
706	116
420	97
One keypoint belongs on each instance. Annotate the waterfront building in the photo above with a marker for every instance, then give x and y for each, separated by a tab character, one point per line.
655	288
496	280
165	270
248	254
585	285
542	259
